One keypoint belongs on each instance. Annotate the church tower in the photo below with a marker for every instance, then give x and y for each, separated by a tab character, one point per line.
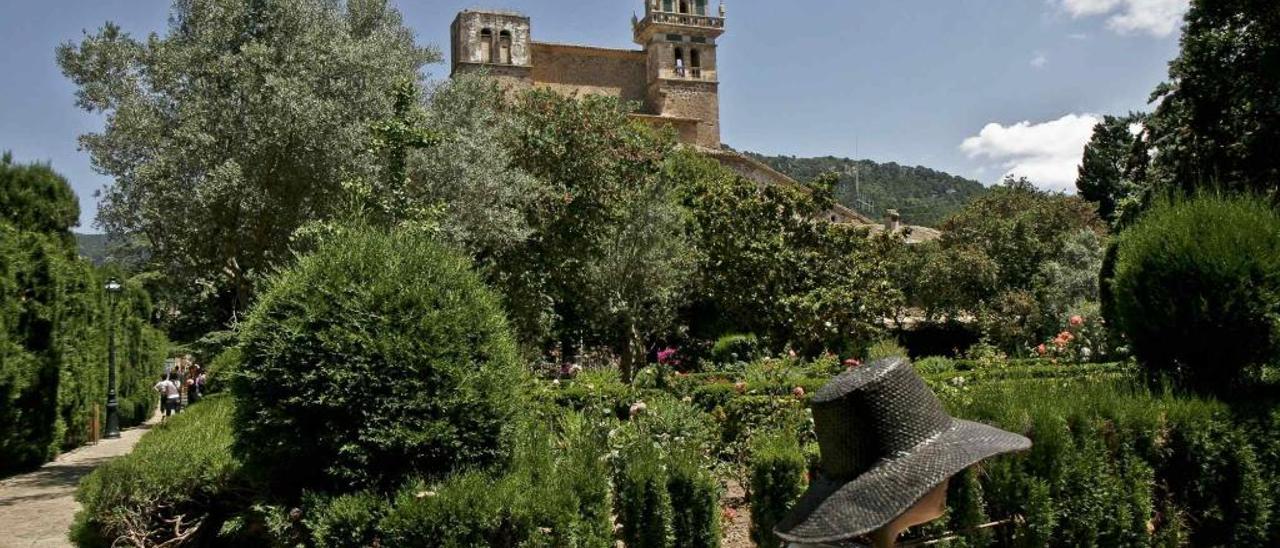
497	42
679	40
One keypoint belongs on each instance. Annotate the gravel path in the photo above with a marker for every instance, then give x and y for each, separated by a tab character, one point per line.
36	509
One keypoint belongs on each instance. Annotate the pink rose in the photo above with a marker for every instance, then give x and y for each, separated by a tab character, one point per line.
1077	321
798	392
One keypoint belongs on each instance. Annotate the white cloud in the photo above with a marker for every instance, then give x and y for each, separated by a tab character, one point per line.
1154	17
1047	153
1039	61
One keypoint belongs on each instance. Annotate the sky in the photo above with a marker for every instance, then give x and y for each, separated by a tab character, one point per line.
977	88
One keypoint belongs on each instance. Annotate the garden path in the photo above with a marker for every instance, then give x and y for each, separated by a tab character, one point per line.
37	508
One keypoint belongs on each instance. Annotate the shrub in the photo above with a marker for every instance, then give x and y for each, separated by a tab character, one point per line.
934	365
54	323
736	348
220	370
470	509
695	500
180	470
345	520
778	469
643	502
885	348
378	357
1197	289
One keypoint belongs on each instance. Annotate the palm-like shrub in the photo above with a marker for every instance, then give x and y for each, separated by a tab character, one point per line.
377	357
1197	289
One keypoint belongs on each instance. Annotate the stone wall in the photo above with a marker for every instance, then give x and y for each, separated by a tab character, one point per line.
571	69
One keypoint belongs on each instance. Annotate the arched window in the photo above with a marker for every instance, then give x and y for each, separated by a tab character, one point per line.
695	62
504	47
486	46
700	7
668	5
684	6
679	62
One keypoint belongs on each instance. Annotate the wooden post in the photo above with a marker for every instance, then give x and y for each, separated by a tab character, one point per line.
93	425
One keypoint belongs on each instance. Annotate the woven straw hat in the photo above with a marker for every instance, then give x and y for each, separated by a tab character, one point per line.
885	442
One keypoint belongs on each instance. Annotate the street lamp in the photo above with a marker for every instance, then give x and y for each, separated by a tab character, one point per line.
113	288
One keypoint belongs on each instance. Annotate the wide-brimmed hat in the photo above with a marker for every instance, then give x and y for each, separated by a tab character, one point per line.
885	442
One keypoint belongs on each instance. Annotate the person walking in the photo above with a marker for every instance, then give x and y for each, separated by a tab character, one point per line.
169	394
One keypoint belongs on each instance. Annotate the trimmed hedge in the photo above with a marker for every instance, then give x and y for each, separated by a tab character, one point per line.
182	468
1197	290
378	357
1113	464
778	468
53	349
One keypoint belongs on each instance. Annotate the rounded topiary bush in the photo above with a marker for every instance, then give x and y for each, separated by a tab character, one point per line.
377	357
1196	289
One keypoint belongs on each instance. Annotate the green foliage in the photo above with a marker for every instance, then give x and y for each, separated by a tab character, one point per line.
1016	259
35	198
345	520
1113	170
180	469
695	500
933	365
241	136
219	372
555	493
643	502
1197	289
778	469
1112	464
884	348
736	347
1215	123
468	173
378	357
924	196
766	267
54	326
606	260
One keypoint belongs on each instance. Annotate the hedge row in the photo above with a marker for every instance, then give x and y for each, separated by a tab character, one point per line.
54	320
1111	464
182	468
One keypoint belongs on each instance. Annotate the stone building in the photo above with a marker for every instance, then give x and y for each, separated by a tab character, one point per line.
673	77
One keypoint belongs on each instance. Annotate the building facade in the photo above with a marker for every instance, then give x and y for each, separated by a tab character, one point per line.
673	78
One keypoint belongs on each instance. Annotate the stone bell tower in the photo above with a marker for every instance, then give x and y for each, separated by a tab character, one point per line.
679	40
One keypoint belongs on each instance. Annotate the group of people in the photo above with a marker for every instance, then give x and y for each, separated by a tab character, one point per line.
183	377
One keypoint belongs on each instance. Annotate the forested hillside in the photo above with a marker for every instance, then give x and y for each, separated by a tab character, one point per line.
92	247
924	196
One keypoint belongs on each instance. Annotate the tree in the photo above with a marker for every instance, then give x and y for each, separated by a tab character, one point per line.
237	126
601	242
35	198
1218	119
1016	259
768	265
469	174
1114	167
643	269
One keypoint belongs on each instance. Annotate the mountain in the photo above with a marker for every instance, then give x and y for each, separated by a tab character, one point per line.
923	196
92	247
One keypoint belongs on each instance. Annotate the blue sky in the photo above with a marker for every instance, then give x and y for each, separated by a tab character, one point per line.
978	88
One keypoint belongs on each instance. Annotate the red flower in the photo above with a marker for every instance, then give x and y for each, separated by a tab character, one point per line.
1077	321
851	363
1042	349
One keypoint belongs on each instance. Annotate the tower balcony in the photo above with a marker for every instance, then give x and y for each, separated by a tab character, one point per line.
660	21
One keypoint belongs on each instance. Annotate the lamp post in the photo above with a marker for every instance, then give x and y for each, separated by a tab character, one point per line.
113	288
